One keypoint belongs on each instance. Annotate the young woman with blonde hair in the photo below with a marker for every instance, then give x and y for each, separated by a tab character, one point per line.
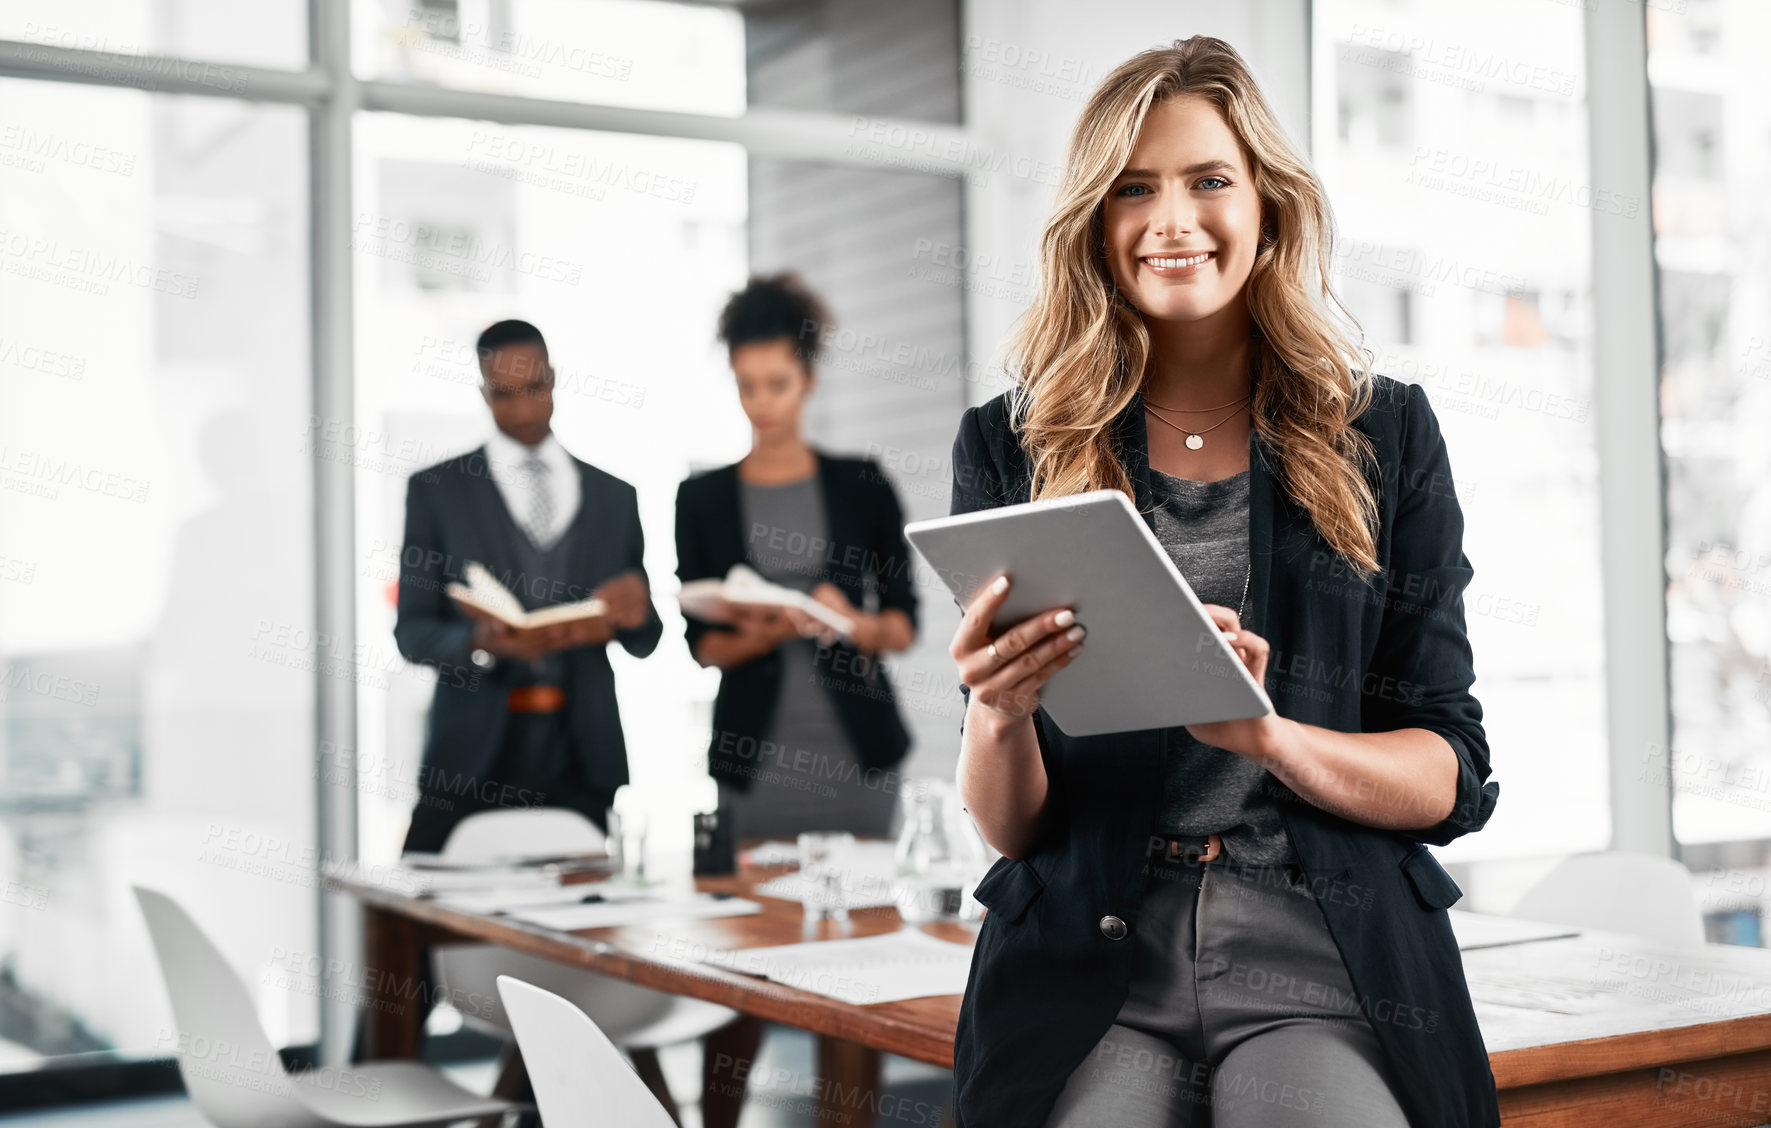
1236	923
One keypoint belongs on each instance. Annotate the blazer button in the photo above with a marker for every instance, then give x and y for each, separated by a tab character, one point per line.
1113	928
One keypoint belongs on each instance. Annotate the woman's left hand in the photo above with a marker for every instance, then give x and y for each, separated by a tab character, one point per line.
1258	738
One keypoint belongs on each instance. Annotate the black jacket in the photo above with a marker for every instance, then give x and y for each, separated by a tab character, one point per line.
1046	982
867	558
451	518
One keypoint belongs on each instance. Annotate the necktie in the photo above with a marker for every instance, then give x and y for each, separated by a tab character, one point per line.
540	502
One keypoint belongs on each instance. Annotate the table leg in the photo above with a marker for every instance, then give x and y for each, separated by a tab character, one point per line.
396	949
849	1095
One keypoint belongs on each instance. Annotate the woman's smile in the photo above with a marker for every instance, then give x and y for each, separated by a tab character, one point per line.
1178	266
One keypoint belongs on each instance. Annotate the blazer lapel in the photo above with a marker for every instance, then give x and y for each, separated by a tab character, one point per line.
728	505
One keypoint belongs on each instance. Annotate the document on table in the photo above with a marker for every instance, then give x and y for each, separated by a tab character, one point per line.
1480	930
509	899
907	964
432	883
633	910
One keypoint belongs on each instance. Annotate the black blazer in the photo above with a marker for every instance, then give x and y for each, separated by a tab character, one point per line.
867	558
1046	982
452	511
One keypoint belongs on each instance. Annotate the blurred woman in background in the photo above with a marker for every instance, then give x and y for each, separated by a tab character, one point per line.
805	726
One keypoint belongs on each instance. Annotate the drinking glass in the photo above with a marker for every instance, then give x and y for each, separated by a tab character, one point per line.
823	858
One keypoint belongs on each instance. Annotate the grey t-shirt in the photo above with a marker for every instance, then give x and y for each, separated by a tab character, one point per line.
815	780
1207	790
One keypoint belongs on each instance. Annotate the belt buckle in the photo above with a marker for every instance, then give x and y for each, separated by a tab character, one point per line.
536	699
1214	849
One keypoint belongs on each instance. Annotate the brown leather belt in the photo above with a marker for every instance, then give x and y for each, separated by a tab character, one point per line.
536	699
1194	848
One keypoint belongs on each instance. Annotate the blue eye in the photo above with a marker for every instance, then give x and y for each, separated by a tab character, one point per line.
1127	189
1208	183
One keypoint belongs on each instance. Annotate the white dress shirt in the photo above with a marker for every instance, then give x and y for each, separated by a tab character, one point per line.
507	459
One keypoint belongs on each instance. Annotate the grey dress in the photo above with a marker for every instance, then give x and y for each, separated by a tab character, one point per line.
808	777
1207	790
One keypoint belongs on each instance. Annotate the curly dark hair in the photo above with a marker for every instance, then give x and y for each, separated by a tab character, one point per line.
775	306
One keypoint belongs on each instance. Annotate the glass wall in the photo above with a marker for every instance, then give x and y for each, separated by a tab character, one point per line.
642	53
1455	155
156	554
459	224
1712	145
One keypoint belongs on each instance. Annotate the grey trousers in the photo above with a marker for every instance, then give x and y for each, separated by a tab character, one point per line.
1240	1014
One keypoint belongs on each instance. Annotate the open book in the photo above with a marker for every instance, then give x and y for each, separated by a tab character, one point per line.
484	593
706	599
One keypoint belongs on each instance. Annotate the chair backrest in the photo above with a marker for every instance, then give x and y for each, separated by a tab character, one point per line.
230	1068
488	835
1617	891
580	1078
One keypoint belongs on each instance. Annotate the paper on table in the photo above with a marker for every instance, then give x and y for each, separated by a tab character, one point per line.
509	899
429	883
570	918
907	964
1480	930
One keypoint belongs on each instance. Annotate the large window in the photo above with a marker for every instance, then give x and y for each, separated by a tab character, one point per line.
1712	144
1455	154
156	560
621	249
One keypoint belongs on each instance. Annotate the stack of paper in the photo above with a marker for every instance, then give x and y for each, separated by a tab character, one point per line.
415	882
907	964
592	912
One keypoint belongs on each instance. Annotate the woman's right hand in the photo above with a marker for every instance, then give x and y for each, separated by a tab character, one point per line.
762	627
1006	672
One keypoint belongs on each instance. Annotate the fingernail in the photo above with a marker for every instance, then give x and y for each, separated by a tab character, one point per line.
1076	632
1000	586
1230	636
1065	617
1073	651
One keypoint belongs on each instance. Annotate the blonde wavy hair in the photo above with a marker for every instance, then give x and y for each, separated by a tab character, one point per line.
1080	350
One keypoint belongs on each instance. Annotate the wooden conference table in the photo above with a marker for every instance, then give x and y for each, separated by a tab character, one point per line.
1591	1031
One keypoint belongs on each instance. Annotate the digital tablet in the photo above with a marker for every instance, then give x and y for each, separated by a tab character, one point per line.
1153	658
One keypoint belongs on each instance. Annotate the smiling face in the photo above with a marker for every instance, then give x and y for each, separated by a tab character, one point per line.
772	386
1182	221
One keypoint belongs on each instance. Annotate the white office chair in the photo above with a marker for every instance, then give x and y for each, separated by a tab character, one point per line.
580	1078
1617	891
636	1018
233	1073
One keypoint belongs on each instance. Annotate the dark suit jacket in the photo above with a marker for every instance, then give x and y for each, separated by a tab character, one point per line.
452	517
1046	981
867	554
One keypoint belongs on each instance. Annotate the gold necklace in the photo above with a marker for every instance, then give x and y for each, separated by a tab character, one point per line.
1193	410
1194	439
